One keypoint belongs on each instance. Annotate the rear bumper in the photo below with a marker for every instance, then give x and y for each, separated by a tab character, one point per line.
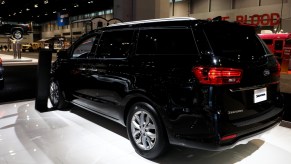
244	133
217	147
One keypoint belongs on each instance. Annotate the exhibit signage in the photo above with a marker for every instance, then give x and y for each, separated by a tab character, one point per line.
63	19
271	19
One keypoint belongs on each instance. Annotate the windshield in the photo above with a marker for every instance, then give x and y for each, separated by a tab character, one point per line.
234	41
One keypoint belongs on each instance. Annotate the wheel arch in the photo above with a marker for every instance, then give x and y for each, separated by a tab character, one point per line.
63	103
16	28
156	112
143	98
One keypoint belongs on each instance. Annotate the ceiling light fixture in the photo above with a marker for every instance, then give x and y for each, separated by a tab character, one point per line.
27	9
45	1
76	5
36	5
90	2
64	9
54	12
3	2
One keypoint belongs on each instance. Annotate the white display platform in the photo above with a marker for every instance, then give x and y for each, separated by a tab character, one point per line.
81	137
8	60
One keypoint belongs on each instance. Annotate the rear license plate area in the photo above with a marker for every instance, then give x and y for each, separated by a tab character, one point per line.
260	95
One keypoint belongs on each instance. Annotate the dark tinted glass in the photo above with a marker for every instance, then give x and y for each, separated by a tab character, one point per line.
115	44
84	47
166	41
268	41
234	41
278	44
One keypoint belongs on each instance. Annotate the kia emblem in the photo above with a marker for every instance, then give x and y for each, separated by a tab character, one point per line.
266	72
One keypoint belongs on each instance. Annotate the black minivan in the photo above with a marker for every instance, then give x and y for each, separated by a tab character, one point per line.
1	75
206	84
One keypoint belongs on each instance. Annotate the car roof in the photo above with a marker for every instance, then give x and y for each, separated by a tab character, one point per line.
163	22
175	21
153	21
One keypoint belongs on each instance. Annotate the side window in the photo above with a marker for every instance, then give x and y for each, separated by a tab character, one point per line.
83	48
166	41
115	44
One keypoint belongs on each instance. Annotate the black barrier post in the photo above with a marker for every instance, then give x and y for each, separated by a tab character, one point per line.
43	78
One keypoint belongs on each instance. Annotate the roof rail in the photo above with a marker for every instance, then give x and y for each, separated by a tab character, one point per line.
153	20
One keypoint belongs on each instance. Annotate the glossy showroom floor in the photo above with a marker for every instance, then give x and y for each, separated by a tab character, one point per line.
80	137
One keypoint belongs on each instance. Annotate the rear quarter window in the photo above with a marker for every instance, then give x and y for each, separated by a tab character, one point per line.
166	41
234	41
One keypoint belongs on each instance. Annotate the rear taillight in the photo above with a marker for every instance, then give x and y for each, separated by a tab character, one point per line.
217	75
229	137
0	61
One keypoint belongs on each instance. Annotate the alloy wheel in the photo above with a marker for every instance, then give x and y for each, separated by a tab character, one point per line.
17	34
143	130
54	93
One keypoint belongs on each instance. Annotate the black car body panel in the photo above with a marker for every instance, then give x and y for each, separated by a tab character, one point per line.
147	66
1	75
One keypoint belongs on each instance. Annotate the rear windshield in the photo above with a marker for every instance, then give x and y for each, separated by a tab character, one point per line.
234	41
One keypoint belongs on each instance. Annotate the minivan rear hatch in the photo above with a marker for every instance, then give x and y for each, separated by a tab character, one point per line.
238	47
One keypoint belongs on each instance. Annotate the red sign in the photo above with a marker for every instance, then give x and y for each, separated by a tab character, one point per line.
272	19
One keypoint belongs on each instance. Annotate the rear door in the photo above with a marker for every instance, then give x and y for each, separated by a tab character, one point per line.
163	63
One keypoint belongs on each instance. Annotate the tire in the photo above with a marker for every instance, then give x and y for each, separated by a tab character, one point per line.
146	131
55	95
17	34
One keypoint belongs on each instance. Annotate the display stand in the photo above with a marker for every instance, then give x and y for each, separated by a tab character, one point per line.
16	45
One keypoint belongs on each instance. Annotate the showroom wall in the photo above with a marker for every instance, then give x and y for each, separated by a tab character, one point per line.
130	10
51	29
264	13
259	12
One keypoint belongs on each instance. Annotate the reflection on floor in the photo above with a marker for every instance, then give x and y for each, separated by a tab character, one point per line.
80	137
